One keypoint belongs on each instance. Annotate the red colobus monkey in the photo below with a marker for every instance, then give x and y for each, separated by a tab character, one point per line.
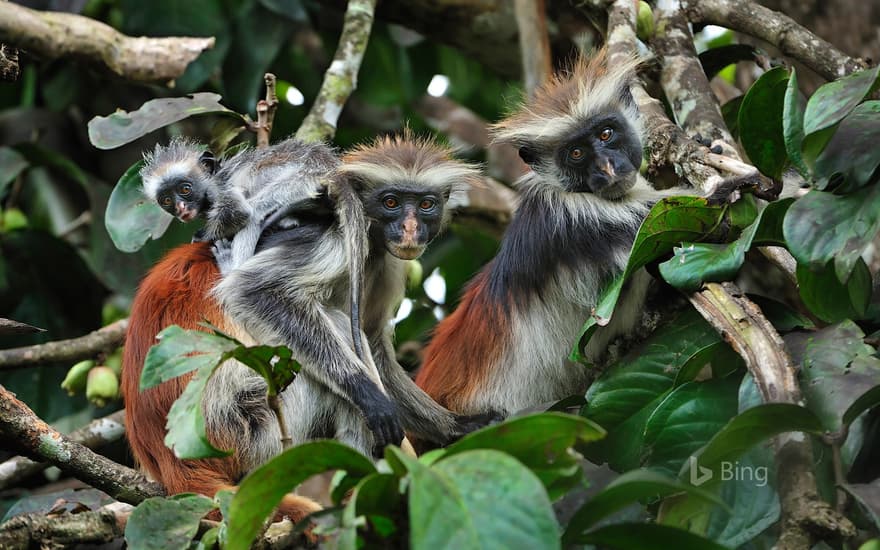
506	346
295	291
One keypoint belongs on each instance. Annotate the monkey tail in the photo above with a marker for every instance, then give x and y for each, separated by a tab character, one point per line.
353	222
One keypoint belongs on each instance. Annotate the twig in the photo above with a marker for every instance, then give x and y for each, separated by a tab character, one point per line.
266	112
102	340
340	80
96	434
53	35
275	404
534	44
38	440
778	29
9	327
741	323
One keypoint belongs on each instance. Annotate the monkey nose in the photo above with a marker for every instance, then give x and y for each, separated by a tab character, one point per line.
608	168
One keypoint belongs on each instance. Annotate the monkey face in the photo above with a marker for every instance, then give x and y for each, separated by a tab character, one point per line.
182	198
405	220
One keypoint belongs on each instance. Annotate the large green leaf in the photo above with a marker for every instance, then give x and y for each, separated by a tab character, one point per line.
834	100
629	488
122	127
671	221
12	163
822	226
793	125
262	490
839	372
743	432
542	442
760	122
479	499
830	300
867	496
131	219
852	151
161	523
647	536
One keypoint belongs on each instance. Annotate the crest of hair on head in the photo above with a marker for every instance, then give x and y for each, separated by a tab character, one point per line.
407	159
569	99
181	156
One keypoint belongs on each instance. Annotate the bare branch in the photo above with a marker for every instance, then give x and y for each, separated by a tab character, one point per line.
534	44
96	434
266	112
742	324
8	326
340	80
66	530
776	28
53	35
102	340
38	440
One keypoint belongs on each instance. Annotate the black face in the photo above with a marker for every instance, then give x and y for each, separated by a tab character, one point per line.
405	219
183	199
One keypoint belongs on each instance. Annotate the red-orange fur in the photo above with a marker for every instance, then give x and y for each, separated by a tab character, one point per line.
464	347
177	292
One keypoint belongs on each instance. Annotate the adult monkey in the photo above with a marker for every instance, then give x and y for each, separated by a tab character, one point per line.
505	347
294	291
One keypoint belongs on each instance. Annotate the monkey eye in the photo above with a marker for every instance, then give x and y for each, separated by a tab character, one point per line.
576	154
185	189
606	134
166	201
390	202
427	204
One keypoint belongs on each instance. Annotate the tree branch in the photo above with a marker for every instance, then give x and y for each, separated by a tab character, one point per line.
38	440
96	434
742	324
10	70
340	80
66	530
53	35
102	340
778	29
534	43
266	112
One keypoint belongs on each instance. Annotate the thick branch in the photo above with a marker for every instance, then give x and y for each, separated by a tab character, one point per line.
534	43
96	434
65	530
776	28
53	35
103	340
340	80
36	439
742	324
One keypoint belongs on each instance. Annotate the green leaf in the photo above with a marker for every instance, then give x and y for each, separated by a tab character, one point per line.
629	488
834	100
793	125
760	122
122	127
181	351
742	433
131	219
839	372
262	490
696	263
542	442
186	422
671	221
852	151
821	226
161	523
867	495
730	113
478	499
647	536
12	163
830	300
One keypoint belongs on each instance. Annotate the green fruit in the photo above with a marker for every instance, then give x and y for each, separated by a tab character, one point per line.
114	361
14	219
645	21
75	381
414	273
102	385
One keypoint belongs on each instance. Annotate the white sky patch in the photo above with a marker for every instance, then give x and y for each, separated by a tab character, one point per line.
435	287
711	32
438	85
294	96
406	307
438	312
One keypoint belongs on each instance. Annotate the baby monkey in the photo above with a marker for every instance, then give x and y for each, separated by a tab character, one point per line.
237	195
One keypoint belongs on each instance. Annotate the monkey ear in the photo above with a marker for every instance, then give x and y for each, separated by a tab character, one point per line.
529	155
208	161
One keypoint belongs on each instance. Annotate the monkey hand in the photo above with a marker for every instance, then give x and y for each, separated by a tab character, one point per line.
384	423
200	236
465	424
222	250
